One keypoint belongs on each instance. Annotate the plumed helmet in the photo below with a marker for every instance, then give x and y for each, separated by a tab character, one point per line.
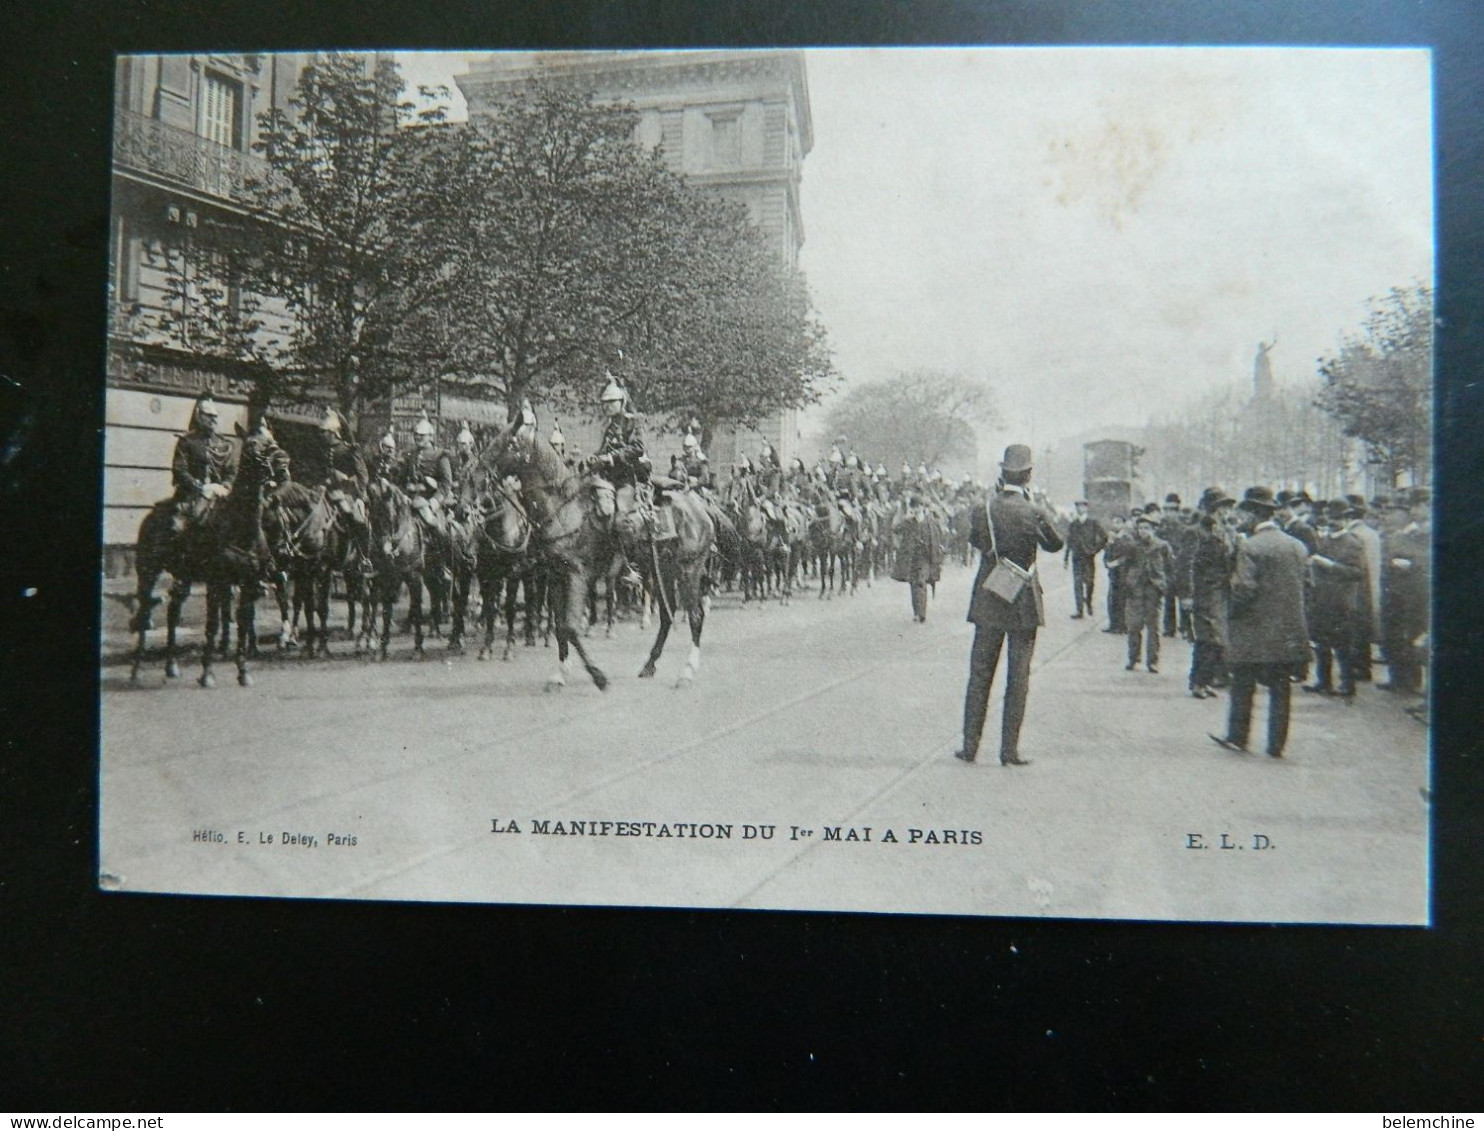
835	456
424	427
797	464
556	439
204	407
465	437
881	471
330	422
690	443
852	461
906	469
613	391
389	442
922	469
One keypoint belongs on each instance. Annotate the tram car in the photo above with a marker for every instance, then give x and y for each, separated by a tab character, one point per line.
1110	478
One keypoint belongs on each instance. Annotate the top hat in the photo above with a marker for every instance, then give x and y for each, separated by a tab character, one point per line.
1017	458
1258	499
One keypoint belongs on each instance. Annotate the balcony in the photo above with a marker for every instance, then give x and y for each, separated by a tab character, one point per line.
150	146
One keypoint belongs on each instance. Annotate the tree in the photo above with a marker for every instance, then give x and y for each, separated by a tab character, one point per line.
565	245
922	416
1378	385
332	249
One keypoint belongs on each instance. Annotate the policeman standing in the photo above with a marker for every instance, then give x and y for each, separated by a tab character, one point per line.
1007	529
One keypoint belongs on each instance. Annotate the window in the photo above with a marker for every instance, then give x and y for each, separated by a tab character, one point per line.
220	110
726	140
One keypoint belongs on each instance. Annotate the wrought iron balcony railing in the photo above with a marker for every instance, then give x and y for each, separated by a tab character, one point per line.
151	146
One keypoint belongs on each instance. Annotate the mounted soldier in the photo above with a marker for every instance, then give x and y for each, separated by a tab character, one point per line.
384	463
621	459
693	463
202	468
426	474
346	477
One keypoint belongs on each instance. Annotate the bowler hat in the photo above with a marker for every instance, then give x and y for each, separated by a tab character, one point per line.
1258	499
1017	458
1337	508
1146	518
1214	497
1357	505
1172	500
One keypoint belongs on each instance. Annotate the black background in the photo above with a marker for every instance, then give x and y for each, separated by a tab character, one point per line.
150	1002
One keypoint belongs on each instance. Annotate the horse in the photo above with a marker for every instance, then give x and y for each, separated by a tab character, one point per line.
225	547
578	543
502	558
399	555
309	546
830	539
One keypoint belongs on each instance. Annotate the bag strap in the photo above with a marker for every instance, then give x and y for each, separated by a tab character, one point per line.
995	550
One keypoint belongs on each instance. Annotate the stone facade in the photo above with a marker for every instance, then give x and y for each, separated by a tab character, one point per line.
736	122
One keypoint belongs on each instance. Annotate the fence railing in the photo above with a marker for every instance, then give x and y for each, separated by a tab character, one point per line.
152	146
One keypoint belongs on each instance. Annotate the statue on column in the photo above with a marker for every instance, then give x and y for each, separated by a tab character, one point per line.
1262	370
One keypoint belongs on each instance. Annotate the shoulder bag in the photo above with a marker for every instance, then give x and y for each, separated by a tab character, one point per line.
1007	580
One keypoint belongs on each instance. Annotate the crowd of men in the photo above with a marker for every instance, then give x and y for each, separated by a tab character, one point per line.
1277	589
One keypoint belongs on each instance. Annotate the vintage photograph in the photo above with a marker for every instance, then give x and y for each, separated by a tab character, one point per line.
954	481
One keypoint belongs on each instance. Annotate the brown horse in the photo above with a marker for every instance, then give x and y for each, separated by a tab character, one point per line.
400	555
578	544
224	548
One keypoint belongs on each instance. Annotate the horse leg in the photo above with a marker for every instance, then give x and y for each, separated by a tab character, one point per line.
647	672
695	615
322	604
247	608
415	613
512	591
179	591
144	603
389	586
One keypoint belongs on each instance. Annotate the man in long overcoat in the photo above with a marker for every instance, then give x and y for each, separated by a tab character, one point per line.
1010	525
1407	591
919	560
1268	633
1211	576
1340	615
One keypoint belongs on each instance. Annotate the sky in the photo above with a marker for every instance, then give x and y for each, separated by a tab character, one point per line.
1104	234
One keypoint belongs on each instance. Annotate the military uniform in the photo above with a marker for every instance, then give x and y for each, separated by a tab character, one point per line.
621	455
201	459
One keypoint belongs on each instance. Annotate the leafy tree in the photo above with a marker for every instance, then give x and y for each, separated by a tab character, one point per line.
1378	385
564	245
332	249
922	416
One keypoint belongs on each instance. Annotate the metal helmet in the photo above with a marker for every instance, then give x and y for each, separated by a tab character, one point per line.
852	461
465	438
922	469
389	442
835	456
424	427
330	422
613	391
205	407
906	469
881	471
690	443
556	439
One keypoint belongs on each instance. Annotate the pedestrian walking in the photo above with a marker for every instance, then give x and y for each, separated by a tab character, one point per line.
1144	565
1268	635
919	558
1085	537
1007	601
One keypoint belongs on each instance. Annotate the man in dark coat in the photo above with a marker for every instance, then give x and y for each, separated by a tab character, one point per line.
1167	529
1144	569
1210	582
1010	526
1119	531
1085	537
1340	612
919	558
1268	634
1406	591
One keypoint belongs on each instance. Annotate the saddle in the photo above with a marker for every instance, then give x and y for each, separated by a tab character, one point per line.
639	517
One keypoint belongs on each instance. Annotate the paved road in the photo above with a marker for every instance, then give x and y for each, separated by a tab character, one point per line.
838	715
